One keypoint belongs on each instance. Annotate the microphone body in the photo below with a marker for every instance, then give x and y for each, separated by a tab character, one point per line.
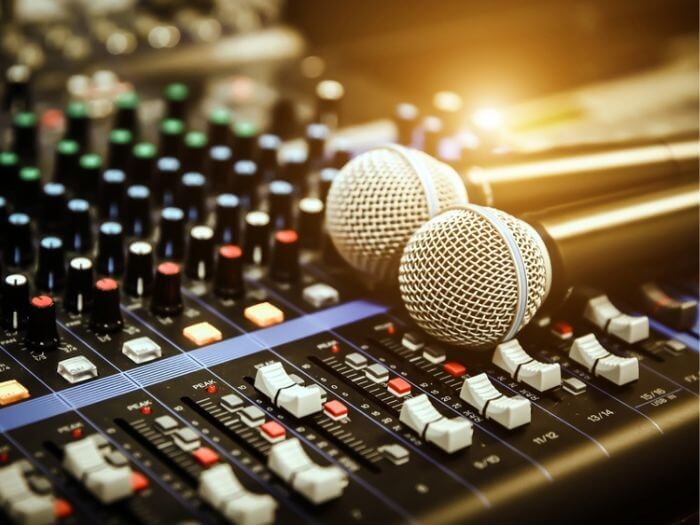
474	276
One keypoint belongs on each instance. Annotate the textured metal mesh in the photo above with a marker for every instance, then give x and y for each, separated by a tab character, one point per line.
458	279
377	201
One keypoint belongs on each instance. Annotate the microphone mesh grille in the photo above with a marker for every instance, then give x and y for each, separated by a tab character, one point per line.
377	201
458	279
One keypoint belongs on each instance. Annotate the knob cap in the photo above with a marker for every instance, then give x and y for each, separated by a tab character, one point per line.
295	168
316	137
126	116
192	195
111	201
110	249
220	126
138	211
171	137
42	333
79	285
268	148
106	315
138	279
143	163
310	223
228	220
66	162
167	298
171	240
24	131
88	180
257	237
51	270
28	189
167	179
53	208
78	226
228	275
119	149
284	265
176	97
195	151
15	301
78	124
245	182
200	253
281	195
219	164
19	251
9	172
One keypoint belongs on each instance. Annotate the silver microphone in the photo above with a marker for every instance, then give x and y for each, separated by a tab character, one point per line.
380	198
474	276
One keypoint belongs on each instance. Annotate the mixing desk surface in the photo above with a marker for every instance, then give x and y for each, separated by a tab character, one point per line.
182	343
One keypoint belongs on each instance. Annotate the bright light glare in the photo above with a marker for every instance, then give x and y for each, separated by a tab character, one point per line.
488	119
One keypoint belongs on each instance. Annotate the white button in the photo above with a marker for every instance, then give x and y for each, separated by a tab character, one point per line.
77	369
511	412
588	351
603	313
511	358
141	349
220	488
316	483
284	392
319	295
450	435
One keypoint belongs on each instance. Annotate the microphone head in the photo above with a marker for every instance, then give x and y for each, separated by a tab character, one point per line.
380	198
474	276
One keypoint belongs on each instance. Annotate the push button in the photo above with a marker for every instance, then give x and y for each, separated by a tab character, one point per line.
12	391
264	314
202	334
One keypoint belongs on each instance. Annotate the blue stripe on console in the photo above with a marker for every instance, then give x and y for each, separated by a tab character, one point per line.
50	405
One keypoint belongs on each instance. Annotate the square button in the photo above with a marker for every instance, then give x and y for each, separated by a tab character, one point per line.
252	416
206	456
77	369
454	368
264	314
12	391
335	409
273	431
399	387
202	334
320	294
141	350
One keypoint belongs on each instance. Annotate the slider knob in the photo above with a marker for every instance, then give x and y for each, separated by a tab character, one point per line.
167	298
106	315
42	333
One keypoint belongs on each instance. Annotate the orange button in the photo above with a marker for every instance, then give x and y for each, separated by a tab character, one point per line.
273	431
202	334
61	508
12	391
399	387
454	369
264	314
206	456
335	409
138	481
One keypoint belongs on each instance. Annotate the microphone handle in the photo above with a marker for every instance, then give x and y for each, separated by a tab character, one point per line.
544	181
605	241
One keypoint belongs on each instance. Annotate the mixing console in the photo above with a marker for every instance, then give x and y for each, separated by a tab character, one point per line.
182	344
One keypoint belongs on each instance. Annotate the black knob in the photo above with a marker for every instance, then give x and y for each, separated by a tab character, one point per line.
220	126
200	253
9	173
78	226
28	189
245	182
42	333
171	240
88	180
106	317
327	176
268	148
405	118
111	201
228	274
138	279
119	149
110	249
19	251
316	137
143	163
171	138
24	128
284	264
228	220
295	168
15	301
51	270
167	298
244	140
66	161
176	97
138	211
3	219
79	284
329	95
167	179
310	223
127	117
78	124
257	237
280	196
195	151
53	208
219	166
192	195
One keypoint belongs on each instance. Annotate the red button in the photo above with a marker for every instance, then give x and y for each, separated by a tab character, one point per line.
206	456
562	329
61	508
335	408
399	386
138	481
273	430
454	369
